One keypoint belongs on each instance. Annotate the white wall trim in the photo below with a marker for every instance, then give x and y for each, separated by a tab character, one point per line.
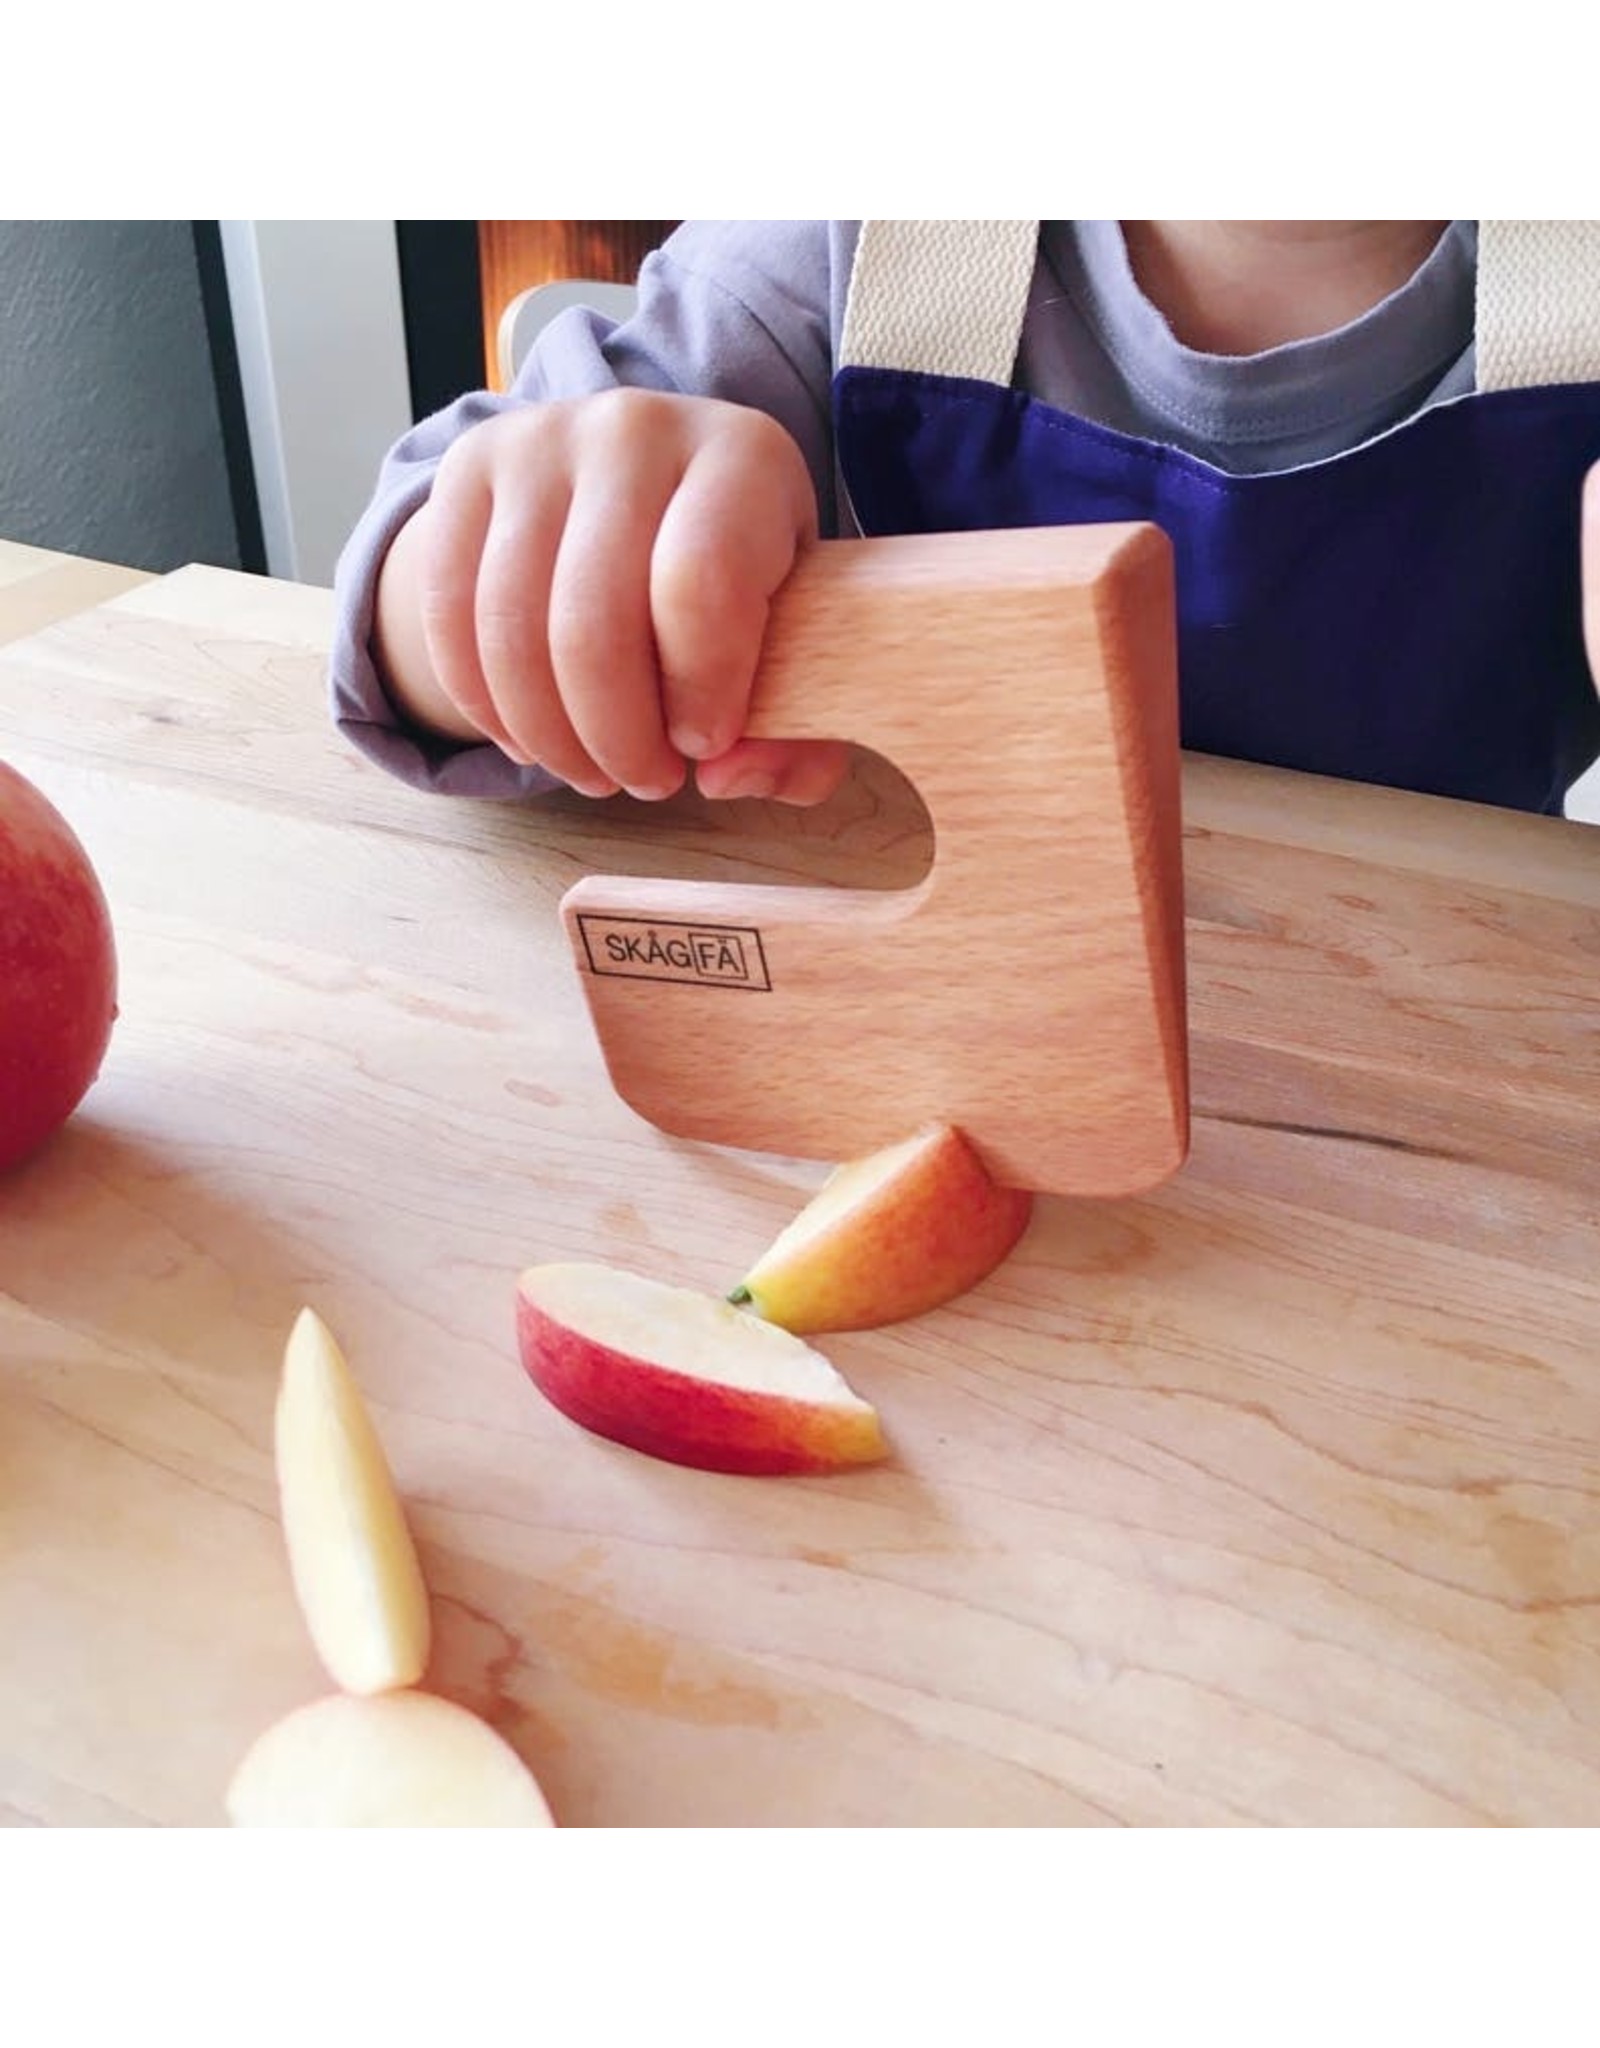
320	331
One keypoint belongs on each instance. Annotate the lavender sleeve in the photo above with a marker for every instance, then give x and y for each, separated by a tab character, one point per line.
743	310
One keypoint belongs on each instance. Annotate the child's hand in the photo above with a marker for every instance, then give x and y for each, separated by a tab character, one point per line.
587	587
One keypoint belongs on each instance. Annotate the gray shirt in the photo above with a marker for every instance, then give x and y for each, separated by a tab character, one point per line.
752	311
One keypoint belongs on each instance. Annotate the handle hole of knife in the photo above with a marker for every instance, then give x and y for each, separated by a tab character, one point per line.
874	833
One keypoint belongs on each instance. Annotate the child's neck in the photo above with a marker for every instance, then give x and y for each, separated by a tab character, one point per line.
1235	287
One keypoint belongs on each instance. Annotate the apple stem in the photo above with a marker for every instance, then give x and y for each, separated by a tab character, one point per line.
741	1297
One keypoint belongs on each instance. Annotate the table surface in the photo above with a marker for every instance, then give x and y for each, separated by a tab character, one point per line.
1270	1498
39	585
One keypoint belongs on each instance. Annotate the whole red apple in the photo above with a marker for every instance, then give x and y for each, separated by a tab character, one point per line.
58	969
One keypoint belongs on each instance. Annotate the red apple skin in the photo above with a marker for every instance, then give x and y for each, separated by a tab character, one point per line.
58	969
683	1420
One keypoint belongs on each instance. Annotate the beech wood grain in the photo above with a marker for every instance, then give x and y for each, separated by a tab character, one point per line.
1029	988
39	586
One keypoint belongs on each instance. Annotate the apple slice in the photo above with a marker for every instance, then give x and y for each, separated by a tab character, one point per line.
351	1557
888	1236
685	1376
389	1760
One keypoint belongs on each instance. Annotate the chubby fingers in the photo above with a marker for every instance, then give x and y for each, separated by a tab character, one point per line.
742	511
789	771
685	516
635	452
486	553
446	540
595	581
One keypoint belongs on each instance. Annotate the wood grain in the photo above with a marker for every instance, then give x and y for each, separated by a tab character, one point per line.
1267	1498
39	586
1029	988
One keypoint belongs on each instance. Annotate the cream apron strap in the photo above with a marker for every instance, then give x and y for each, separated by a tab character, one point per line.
1538	303
944	297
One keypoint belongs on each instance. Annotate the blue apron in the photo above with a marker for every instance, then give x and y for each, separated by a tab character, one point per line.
1406	613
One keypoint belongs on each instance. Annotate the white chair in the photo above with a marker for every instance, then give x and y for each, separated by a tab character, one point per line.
536	307
1583	798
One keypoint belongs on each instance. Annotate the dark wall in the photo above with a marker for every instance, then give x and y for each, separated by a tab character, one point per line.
111	432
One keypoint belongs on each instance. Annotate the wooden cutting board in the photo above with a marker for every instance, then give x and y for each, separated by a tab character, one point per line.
1030	987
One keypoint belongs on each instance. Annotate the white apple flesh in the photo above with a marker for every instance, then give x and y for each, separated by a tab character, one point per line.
395	1760
58	969
351	1557
684	1377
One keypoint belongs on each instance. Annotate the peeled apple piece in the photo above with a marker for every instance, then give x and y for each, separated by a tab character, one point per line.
389	1760
351	1557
